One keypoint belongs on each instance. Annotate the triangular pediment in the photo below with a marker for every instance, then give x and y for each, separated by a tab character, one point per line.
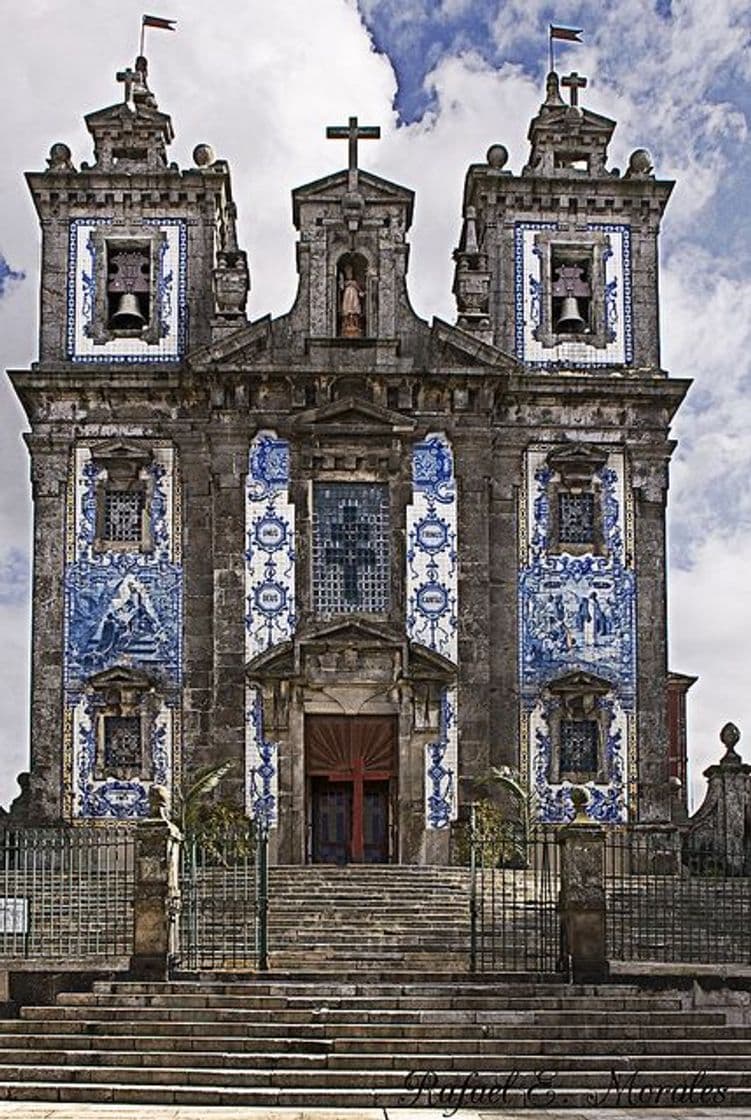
453	348
336	186
249	344
120	449
579	682
426	664
354	412
352	632
279	661
120	677
561	119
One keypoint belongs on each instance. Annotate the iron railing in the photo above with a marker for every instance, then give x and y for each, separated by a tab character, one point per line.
666	905
66	893
223	920
514	886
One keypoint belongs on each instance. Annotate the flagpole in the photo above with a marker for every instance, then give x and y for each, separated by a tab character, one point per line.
143	32
550	48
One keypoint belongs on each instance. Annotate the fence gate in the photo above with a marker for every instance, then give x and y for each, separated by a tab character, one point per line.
223	914
514	883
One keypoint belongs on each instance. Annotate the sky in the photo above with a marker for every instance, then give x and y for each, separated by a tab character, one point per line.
444	79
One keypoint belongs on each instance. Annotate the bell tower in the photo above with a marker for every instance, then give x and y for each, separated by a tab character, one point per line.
140	263
557	266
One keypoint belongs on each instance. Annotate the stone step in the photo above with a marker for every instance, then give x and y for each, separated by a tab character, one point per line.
120	1093
321	1079
717	1047
418	1001
280	1059
345	1013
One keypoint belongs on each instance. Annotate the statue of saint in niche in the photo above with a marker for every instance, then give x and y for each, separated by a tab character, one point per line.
351	304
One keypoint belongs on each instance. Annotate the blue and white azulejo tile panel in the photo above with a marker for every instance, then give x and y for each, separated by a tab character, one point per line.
123	610
615	298
261	765
270	604
432	569
442	768
432	599
577	613
87	271
270	546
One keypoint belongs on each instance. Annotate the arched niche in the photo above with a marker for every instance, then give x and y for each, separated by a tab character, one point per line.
352	311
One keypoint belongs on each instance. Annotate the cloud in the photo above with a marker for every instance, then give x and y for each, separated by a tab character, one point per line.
262	83
8	276
14	577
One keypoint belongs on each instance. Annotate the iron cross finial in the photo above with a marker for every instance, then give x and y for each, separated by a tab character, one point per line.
574	82
353	132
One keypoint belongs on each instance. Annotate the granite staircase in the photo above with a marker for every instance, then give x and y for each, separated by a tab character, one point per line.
361	917
382	1040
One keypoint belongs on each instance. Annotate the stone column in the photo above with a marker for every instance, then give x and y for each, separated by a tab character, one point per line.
156	901
582	901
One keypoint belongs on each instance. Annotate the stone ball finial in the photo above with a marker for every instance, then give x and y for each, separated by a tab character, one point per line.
640	162
729	737
203	155
497	156
59	158
580	800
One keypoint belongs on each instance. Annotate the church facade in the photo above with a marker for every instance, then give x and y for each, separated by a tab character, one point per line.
366	556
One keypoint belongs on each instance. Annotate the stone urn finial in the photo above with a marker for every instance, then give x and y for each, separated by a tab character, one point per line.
729	736
580	800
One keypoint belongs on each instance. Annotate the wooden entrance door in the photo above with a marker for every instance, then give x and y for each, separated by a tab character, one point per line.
350	762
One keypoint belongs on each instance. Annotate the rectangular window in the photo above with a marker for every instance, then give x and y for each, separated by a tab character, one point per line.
579	742
576	518
351	555
123	515
122	742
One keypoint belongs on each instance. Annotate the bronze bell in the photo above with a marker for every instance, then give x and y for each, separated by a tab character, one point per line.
128	315
570	321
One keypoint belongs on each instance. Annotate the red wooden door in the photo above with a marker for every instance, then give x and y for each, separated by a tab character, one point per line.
357	752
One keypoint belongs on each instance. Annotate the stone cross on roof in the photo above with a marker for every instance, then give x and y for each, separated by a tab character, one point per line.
353	132
574	82
130	78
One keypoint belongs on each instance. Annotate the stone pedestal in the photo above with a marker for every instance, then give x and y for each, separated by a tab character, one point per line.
156	900
582	901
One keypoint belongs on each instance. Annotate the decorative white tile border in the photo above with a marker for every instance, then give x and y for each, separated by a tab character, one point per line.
617	298
432	598
270	546
85	272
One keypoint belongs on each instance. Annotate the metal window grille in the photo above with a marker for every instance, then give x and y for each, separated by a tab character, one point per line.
576	517
123	515
578	746
351	553
122	741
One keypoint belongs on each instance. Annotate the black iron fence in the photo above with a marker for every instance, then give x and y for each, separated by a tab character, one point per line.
665	902
66	893
223	917
514	885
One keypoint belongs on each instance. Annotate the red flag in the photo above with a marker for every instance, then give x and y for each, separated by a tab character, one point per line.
570	33
157	21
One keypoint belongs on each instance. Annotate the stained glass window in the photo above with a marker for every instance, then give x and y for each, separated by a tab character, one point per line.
579	739
123	515
576	518
122	742
351	561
